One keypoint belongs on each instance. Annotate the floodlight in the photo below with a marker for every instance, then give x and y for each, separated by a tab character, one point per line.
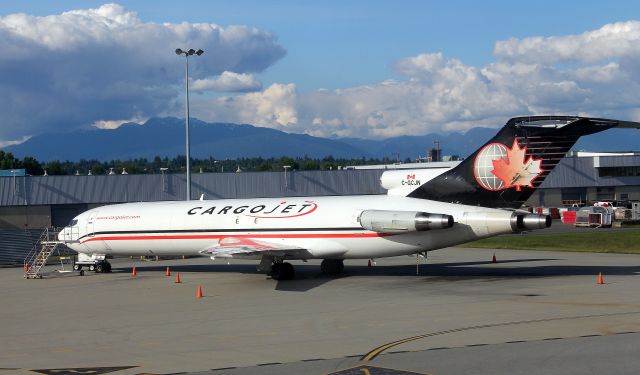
186	54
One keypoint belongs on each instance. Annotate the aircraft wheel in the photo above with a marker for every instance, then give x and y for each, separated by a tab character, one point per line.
282	271
289	271
332	266
276	271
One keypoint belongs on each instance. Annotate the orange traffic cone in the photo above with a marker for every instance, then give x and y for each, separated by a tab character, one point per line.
168	273
493	260
133	272
199	295
178	278
600	280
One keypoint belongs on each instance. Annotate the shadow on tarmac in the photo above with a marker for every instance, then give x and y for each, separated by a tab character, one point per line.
309	276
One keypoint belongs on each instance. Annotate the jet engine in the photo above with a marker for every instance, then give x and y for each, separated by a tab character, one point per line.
528	221
403	221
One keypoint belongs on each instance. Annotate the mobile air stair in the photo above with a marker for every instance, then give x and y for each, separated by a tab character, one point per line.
47	245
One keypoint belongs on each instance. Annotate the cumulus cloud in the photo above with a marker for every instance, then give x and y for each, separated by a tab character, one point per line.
445	98
438	95
16	142
100	66
594	73
85	66
114	124
274	107
610	41
228	82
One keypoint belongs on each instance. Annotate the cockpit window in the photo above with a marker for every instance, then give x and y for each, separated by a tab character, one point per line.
73	222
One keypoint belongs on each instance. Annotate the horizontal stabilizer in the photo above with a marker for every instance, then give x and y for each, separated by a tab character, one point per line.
628	125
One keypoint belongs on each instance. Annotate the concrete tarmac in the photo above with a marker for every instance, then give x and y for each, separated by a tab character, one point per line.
460	314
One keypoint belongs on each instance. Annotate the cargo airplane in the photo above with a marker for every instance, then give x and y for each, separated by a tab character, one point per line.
424	210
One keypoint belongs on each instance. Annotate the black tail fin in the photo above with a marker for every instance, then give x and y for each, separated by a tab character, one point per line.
508	169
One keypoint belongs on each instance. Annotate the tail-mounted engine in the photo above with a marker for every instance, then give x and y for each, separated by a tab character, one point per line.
383	221
520	221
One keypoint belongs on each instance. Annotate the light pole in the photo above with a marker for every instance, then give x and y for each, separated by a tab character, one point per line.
186	80
164	183
286	182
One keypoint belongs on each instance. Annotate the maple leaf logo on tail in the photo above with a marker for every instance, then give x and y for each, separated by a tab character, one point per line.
516	170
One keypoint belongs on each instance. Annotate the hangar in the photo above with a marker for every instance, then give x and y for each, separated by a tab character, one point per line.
30	203
586	177
34	202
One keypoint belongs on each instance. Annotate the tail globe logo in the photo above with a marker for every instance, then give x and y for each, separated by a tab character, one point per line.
498	167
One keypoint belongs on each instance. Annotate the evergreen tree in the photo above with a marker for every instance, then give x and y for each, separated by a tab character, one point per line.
177	164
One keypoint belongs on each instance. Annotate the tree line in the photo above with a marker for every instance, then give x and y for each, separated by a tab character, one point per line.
177	165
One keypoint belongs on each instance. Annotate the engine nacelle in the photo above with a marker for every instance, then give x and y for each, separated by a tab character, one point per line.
383	221
521	222
403	181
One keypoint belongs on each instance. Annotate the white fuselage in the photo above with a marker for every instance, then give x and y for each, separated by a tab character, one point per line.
327	227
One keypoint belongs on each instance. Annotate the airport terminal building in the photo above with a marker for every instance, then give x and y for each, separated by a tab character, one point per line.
34	202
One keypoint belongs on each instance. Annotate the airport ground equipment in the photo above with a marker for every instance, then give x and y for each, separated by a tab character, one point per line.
47	244
94	262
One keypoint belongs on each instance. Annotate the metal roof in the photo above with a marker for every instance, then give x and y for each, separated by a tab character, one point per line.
51	190
46	190
583	172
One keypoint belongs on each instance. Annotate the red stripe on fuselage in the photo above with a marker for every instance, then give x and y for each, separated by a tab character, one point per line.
221	236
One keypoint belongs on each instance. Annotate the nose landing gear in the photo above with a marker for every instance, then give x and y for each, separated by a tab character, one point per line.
98	267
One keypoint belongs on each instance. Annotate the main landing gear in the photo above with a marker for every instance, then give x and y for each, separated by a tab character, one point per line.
332	266
276	268
279	270
282	271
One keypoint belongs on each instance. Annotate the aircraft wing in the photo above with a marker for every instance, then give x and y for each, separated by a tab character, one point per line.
234	246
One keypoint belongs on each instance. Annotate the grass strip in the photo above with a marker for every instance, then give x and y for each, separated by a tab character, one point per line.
607	241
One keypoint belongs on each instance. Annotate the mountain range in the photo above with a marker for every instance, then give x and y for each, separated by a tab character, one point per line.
165	137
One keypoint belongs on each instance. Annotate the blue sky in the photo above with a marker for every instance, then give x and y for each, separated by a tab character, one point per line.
351	48
338	44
